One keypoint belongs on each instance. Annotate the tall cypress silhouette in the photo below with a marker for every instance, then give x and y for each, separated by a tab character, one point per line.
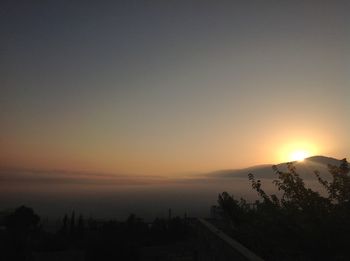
72	223
65	224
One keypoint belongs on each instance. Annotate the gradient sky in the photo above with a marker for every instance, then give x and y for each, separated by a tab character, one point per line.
166	87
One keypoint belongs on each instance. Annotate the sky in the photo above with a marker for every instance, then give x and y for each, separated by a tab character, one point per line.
172	87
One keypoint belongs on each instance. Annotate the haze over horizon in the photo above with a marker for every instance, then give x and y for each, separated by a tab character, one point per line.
53	193
164	88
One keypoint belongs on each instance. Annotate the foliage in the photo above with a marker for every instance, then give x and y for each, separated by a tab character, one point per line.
93	239
21	228
22	221
300	224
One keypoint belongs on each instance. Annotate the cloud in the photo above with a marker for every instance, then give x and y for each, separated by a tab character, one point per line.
58	177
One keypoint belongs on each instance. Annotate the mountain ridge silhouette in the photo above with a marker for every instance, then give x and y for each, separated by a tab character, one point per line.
305	168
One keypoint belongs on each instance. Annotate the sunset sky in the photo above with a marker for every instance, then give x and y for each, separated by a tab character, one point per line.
171	87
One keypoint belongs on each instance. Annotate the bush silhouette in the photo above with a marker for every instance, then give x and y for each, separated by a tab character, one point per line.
21	226
299	224
23	221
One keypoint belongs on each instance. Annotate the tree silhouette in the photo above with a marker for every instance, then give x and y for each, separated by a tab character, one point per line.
80	226
23	221
339	188
64	228
21	225
299	224
72	223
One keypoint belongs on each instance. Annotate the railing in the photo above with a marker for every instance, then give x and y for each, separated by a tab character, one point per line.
213	244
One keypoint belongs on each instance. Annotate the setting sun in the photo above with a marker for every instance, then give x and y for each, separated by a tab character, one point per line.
299	148
299	155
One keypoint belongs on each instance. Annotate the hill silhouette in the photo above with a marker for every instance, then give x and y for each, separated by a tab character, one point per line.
306	168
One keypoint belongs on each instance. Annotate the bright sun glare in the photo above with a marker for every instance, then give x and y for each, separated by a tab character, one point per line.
298	149
299	155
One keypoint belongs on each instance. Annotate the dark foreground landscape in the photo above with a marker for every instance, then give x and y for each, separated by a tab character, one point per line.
298	223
